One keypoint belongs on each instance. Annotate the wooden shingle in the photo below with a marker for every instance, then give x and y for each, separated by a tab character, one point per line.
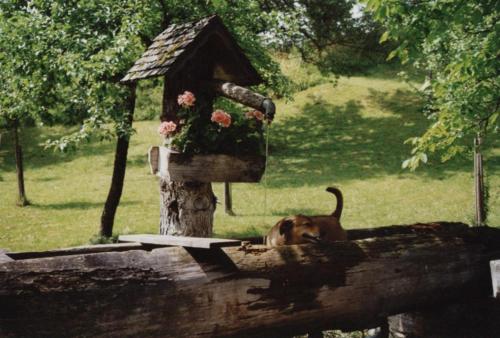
178	44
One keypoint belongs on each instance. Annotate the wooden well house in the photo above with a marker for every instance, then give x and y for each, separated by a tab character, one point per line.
201	57
421	280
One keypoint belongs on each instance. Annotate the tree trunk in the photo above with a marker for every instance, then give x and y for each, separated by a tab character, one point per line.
22	200
480	209
119	167
186	208
246	291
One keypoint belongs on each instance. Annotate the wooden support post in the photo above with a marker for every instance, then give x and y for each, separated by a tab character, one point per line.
495	278
246	291
228	199
480	217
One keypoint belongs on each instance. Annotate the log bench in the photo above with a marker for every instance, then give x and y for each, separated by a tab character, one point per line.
247	290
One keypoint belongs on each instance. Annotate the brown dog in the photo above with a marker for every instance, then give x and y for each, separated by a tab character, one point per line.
302	229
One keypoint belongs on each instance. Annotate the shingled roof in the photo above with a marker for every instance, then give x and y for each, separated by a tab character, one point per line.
178	43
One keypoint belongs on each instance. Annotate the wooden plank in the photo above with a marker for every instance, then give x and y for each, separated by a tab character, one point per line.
189	242
495	277
251	291
84	249
177	167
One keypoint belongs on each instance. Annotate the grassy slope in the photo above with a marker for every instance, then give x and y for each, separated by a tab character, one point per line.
350	135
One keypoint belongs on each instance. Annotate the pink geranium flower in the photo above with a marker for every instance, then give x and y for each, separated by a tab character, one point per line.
258	115
255	114
167	128
222	118
186	99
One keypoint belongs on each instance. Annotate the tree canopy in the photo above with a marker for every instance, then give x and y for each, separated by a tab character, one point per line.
456	43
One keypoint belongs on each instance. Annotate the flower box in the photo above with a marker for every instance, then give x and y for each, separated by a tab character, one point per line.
179	167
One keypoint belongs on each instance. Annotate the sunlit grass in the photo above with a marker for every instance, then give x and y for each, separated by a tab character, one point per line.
350	135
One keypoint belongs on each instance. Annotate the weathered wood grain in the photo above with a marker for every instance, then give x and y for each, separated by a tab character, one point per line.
153	157
432	227
243	291
190	242
78	250
177	167
495	278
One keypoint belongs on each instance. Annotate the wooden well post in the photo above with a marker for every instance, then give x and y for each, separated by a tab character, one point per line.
201	57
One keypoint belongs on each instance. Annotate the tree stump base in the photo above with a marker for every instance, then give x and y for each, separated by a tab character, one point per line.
186	208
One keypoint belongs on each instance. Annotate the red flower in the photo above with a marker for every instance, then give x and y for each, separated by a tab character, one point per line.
255	114
222	118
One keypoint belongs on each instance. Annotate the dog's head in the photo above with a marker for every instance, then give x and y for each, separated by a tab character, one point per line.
299	229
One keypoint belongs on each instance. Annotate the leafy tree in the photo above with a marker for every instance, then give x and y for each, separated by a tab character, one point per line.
333	34
26	88
89	45
456	43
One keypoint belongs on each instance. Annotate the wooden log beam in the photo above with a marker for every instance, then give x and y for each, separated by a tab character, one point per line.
244	96
391	230
78	250
417	228
243	291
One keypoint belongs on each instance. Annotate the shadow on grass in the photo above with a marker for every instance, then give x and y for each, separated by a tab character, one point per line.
35	156
80	205
294	211
329	143
247	232
140	160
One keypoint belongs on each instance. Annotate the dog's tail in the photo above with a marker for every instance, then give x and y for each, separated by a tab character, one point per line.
340	201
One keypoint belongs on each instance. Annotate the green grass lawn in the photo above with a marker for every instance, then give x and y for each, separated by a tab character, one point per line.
350	135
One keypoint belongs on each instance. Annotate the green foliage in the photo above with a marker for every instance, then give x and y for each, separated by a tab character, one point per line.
456	43
64	59
334	35
149	99
25	83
